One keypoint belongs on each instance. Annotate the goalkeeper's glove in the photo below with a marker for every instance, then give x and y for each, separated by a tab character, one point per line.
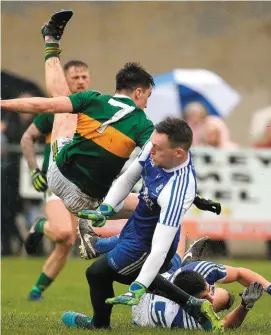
132	297
39	180
207	205
98	216
251	294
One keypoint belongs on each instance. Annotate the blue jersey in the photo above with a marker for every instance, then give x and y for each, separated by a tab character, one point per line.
210	271
165	196
154	310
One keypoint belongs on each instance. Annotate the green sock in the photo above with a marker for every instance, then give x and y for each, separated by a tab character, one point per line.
42	283
40	224
52	50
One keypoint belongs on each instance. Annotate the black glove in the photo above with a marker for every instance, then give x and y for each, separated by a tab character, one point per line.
207	205
39	180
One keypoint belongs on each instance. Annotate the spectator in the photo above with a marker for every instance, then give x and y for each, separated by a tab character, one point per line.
12	128
195	115
216	134
265	141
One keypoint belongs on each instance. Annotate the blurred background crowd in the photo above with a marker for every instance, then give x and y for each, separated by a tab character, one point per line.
232	40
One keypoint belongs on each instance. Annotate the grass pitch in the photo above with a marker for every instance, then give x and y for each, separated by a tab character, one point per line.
70	292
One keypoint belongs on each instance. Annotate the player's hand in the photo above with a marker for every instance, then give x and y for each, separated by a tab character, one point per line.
251	294
207	205
131	298
99	216
39	180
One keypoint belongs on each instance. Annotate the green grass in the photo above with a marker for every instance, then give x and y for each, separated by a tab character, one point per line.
70	292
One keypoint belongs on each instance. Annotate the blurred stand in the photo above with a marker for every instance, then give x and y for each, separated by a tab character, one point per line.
13	125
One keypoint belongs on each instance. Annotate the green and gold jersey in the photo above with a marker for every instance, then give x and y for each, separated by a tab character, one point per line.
44	123
108	130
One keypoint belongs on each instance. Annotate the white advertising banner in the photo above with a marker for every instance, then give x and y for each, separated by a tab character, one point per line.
239	179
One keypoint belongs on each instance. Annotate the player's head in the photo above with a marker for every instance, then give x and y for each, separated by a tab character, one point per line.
171	141
77	76
133	80
194	284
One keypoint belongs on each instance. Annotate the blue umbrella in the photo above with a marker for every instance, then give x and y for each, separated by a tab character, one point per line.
175	89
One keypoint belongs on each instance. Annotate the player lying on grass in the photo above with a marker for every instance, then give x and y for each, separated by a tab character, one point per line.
156	311
197	278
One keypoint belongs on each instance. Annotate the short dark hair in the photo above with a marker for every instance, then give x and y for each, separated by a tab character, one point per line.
231	301
133	75
77	63
190	281
177	130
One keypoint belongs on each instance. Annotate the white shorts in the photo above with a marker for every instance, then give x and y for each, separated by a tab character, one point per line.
49	195
74	199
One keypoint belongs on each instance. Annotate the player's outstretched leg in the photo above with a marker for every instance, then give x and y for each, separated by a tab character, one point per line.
195	250
64	124
93	245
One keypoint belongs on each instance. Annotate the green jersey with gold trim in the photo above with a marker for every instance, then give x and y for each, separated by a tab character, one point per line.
108	129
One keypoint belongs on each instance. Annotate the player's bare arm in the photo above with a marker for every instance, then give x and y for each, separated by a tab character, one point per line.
245	277
235	318
29	138
250	295
38	105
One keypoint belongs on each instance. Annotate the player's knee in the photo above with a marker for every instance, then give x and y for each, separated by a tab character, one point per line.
93	274
99	272
64	235
90	273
